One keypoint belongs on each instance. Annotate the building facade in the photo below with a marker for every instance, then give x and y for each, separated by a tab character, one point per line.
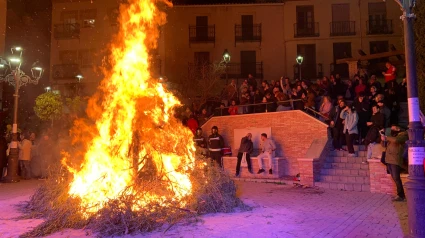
3	10
263	39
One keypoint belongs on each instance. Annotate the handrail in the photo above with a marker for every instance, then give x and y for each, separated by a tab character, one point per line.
262	103
317	113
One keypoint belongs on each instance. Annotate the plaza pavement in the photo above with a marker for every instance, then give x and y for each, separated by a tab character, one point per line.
278	210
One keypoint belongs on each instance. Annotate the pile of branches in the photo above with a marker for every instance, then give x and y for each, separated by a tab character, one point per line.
213	191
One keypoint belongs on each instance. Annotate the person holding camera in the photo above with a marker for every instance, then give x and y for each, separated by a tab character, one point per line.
395	146
351	118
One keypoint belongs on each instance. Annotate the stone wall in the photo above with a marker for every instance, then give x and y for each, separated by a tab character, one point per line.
293	132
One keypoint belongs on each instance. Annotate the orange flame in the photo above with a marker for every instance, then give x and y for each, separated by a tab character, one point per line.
134	105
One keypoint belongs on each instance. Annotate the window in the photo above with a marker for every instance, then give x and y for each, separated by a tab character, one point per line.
247	26
88	18
377	12
305	26
69	17
68	56
202	27
202	58
86	57
308	67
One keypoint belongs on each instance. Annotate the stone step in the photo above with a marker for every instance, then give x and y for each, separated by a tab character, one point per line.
345	179
345	172
342	159
357	147
344	186
342	165
345	153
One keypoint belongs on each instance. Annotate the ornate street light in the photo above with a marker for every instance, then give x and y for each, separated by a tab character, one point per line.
11	73
415	185
299	60
226	56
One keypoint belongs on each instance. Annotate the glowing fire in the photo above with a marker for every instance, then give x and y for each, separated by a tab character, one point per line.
135	112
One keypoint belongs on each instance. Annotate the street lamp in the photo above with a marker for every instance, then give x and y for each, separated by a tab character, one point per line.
225	61
300	60
415	185
47	89
79	77
17	78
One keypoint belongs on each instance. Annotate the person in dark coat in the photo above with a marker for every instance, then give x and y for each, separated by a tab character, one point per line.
216	145
376	123
246	148
337	126
362	108
3	155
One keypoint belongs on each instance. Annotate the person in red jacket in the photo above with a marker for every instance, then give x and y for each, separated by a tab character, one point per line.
233	109
390	74
192	123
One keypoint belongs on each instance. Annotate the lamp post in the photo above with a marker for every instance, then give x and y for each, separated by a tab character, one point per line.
79	78
225	61
300	60
17	78
415	185
47	89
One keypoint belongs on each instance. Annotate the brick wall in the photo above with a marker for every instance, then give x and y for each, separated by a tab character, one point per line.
293	132
380	181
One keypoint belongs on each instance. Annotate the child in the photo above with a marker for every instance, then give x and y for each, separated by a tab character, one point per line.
233	109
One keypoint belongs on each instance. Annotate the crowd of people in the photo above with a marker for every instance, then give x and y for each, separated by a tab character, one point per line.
36	156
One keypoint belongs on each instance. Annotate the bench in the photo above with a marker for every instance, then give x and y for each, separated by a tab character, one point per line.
229	164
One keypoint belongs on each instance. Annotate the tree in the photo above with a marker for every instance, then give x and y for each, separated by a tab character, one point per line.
48	106
419	28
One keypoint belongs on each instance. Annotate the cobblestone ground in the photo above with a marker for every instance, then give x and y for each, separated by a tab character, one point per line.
278	211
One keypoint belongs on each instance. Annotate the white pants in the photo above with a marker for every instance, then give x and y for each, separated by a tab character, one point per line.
263	155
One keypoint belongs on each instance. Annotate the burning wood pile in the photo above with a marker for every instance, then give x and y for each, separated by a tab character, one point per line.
132	166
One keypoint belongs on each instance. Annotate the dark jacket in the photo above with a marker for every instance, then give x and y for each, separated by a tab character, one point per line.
246	146
216	142
334	116
395	149
200	141
378	120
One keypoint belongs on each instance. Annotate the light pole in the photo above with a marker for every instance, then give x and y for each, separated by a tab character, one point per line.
79	78
47	89
16	78
415	185
300	60
225	61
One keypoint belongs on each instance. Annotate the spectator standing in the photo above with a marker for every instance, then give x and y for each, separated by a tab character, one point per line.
362	107
25	156
192	124
252	82
244	87
390	75
231	91
3	155
221	111
325	108
298	95
373	93
267	148
245	99
350	117
349	91
360	88
395	146
283	103
233	109
203	117
270	103
216	145
336	125
374	83
375	124
45	155
387	114
245	149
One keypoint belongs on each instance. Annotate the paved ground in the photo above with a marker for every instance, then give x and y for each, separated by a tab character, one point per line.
278	211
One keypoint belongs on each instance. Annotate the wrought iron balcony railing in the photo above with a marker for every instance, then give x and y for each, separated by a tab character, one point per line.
310	29
202	34
241	70
248	33
67	31
65	71
343	28
380	27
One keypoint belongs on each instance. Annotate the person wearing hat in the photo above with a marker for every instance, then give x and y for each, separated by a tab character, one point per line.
351	118
200	142
216	144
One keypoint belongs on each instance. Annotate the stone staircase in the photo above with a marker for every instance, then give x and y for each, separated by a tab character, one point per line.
341	172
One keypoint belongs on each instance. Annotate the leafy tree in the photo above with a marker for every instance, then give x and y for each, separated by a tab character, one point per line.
48	106
419	28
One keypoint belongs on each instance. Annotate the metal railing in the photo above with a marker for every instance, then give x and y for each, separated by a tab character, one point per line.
379	27
343	28
66	31
202	34
65	71
261	107
310	29
248	33
241	70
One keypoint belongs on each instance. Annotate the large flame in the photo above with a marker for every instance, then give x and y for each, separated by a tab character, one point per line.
134	120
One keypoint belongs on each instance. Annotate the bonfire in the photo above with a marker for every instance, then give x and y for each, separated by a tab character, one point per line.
132	165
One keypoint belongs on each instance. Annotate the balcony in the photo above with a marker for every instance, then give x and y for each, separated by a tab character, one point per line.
65	71
306	30
248	33
380	27
67	31
241	70
202	34
343	28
